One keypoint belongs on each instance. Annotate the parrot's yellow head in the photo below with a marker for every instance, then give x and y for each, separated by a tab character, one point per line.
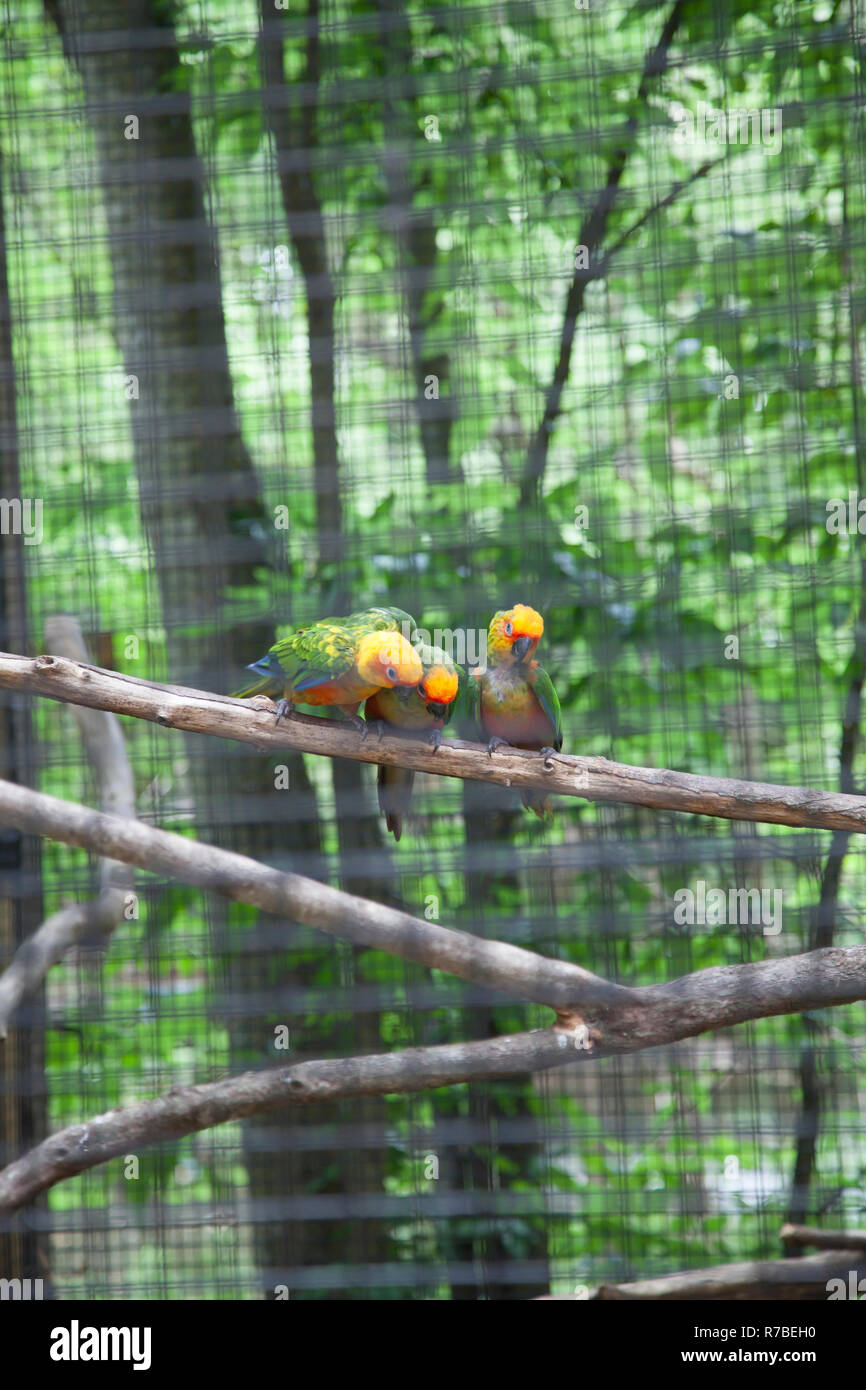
514	635
438	690
386	659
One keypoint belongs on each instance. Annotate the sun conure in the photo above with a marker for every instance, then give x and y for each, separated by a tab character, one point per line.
514	698
426	708
338	662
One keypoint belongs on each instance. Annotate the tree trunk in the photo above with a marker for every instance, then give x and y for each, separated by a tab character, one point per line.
199	494
414	221
490	818
24	1252
294	130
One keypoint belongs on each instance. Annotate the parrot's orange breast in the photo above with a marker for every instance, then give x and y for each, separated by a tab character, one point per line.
530	730
510	710
347	690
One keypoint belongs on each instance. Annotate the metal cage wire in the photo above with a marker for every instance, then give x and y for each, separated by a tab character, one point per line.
290	296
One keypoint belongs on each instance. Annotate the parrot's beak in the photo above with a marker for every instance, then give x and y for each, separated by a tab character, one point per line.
403	692
437	710
521	648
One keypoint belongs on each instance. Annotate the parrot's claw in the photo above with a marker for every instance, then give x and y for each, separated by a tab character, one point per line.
495	743
356	722
378	725
548	754
285	708
434	738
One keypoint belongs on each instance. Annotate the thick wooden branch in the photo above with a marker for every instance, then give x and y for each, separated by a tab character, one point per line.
593	779
596	1018
494	964
803	1280
792	1234
822	933
100	732
188	1109
106	753
49	943
607	1017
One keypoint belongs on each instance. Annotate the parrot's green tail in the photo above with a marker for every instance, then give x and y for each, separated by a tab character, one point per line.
395	796
538	802
267	686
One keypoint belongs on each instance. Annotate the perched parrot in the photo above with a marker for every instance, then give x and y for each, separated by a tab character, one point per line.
338	662
426	708
514	699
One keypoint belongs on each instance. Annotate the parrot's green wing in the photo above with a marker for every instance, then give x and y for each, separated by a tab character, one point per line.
547	697
434	656
400	617
380	619
364	620
467	714
455	706
321	652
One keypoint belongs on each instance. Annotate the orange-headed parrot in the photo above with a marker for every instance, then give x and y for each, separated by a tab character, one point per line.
514	698
338	662
426	708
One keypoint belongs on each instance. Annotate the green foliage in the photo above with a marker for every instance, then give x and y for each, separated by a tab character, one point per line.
714	406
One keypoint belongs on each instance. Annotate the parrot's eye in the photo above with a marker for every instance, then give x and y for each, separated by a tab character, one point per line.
391	674
509	628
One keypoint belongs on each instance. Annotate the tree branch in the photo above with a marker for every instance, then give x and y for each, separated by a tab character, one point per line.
822	1239
100	732
595	1017
599	270
822	933
490	963
106	751
591	234
295	135
802	1279
582	277
187	1109
611	1017
592	779
49	944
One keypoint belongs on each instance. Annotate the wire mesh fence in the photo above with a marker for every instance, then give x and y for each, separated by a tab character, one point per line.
450	308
